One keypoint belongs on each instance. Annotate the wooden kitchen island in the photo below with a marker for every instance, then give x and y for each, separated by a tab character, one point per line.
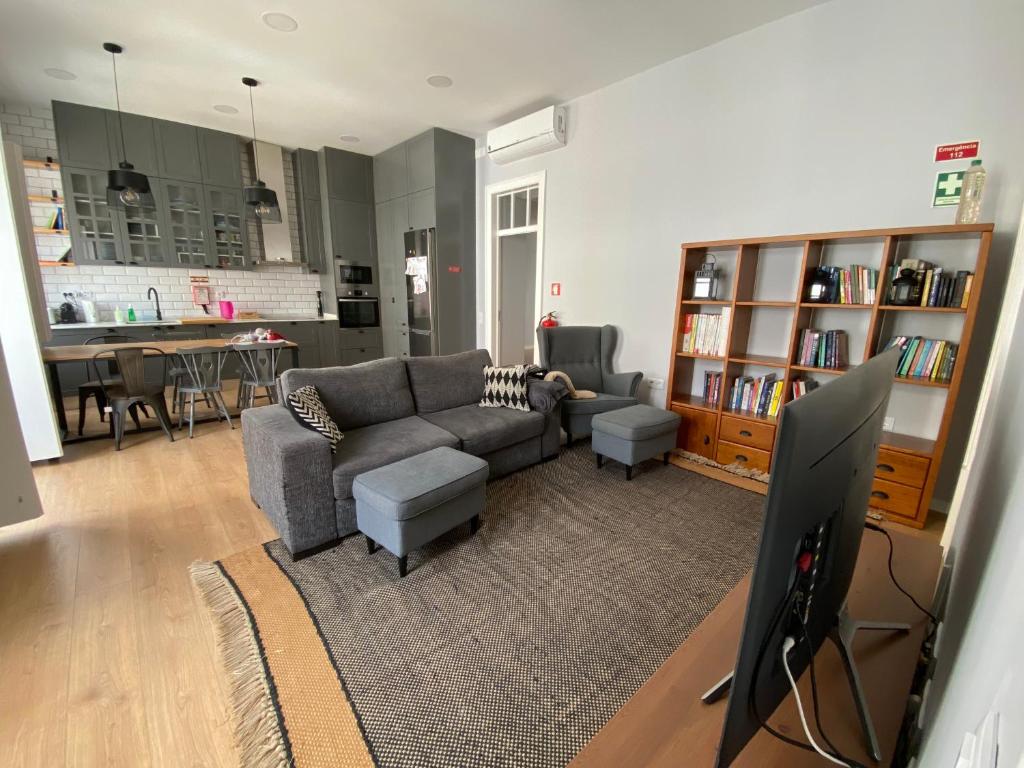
665	724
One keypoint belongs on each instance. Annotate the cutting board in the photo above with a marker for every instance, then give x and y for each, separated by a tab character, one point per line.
203	320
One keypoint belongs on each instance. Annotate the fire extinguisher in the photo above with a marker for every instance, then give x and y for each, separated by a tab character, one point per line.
549	321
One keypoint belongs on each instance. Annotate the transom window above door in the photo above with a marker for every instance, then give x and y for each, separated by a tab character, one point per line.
518	210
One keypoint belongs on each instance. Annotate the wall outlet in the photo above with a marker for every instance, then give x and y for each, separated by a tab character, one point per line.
656	383
889	423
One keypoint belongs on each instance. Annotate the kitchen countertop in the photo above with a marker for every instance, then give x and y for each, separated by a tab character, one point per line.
175	322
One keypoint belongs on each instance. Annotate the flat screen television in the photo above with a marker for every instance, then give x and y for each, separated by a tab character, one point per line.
814	518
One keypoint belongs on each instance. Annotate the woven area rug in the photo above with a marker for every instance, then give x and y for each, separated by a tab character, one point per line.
508	648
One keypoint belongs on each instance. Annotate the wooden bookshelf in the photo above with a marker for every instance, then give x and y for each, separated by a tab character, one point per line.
909	463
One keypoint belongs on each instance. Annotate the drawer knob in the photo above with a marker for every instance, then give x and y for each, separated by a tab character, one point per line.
707	440
879	494
886	467
741	457
745	433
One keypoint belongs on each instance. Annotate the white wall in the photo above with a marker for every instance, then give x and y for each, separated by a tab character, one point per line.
980	665
823	120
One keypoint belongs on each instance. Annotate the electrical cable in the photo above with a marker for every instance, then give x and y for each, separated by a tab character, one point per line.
935	622
787	646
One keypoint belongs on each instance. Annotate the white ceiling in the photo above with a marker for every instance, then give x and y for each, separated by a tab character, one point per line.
355	67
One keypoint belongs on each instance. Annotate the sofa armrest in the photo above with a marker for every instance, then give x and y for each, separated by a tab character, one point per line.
544	395
290	476
622	384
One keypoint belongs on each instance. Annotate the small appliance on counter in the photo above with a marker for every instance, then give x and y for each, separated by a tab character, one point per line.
227	309
68	310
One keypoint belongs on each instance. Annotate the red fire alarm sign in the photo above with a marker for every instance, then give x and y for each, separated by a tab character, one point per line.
455	268
959	151
556	289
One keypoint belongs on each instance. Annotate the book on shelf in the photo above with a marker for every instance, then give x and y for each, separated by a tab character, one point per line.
823	349
855	284
936	286
712	387
705	333
931	359
761	395
802	386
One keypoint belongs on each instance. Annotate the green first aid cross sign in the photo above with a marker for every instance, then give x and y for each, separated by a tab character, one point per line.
947	188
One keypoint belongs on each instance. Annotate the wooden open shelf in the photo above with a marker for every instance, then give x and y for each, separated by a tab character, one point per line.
48	231
709	431
41	164
46	199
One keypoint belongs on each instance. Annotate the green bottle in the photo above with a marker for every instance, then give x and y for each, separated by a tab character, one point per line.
131	314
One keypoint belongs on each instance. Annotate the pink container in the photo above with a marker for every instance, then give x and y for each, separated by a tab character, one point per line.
227	310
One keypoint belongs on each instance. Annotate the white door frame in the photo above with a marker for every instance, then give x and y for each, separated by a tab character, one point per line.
491	272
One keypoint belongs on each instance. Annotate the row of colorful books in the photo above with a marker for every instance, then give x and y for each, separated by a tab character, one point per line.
712	387
823	349
705	334
855	284
761	396
802	386
936	287
931	359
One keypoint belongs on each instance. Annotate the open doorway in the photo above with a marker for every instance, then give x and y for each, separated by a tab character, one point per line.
514	268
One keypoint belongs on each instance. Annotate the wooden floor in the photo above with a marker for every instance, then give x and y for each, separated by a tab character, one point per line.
106	656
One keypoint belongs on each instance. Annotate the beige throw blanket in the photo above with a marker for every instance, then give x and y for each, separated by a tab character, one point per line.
575	394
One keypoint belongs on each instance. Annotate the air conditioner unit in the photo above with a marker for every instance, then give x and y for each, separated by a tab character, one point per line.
531	135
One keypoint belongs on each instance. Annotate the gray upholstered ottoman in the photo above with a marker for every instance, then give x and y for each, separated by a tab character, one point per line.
634	434
411	502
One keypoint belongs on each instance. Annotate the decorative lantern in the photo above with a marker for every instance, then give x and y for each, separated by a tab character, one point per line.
822	288
903	289
705	280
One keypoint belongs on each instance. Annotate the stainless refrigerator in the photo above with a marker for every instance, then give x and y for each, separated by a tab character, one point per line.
421	287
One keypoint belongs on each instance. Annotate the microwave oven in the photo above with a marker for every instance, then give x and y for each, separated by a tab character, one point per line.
358	312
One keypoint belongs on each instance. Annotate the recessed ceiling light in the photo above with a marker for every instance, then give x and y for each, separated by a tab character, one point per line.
439	81
349	138
60	74
282	22
226	109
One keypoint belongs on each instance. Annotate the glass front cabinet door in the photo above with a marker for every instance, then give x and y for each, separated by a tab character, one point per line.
186	243
143	231
95	227
227	230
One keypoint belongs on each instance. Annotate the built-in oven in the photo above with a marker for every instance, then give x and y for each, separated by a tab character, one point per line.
358	312
354	279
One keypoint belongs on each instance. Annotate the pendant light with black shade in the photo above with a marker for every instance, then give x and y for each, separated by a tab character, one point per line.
259	199
125	185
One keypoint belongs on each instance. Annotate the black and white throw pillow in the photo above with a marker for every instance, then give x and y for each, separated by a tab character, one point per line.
505	388
308	409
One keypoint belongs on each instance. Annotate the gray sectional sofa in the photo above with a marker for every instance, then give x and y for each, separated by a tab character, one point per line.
388	410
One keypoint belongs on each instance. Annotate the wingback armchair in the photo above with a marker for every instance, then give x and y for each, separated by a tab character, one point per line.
585	353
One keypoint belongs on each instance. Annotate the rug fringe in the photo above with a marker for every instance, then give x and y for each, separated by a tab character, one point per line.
257	733
735	469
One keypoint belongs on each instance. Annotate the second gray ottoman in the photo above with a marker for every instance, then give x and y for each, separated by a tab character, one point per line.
409	503
634	434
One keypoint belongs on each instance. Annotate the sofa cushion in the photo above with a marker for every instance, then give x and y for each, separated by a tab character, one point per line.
407	488
598	404
379	444
357	395
505	388
439	383
483	430
308	409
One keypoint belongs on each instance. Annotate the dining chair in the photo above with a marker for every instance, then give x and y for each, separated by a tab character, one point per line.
259	364
133	390
110	375
204	368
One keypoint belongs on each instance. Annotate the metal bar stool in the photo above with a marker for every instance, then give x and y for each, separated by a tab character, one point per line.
204	367
109	375
133	390
259	361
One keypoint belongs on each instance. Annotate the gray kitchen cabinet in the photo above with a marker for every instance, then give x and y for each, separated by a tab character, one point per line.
361	355
82	136
178	151
220	157
327	343
349	175
143	230
313	250
306	335
351	231
186	242
420	154
95	227
392	222
422	214
390	174
226	230
139	142
358	338
307	173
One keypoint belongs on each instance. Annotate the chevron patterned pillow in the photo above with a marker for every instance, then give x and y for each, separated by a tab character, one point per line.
308	409
505	388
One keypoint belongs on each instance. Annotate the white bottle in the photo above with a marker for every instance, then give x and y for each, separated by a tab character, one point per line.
970	194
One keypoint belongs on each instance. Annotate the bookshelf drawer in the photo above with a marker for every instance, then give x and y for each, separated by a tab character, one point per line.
751	458
750	433
901	468
895	498
696	431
